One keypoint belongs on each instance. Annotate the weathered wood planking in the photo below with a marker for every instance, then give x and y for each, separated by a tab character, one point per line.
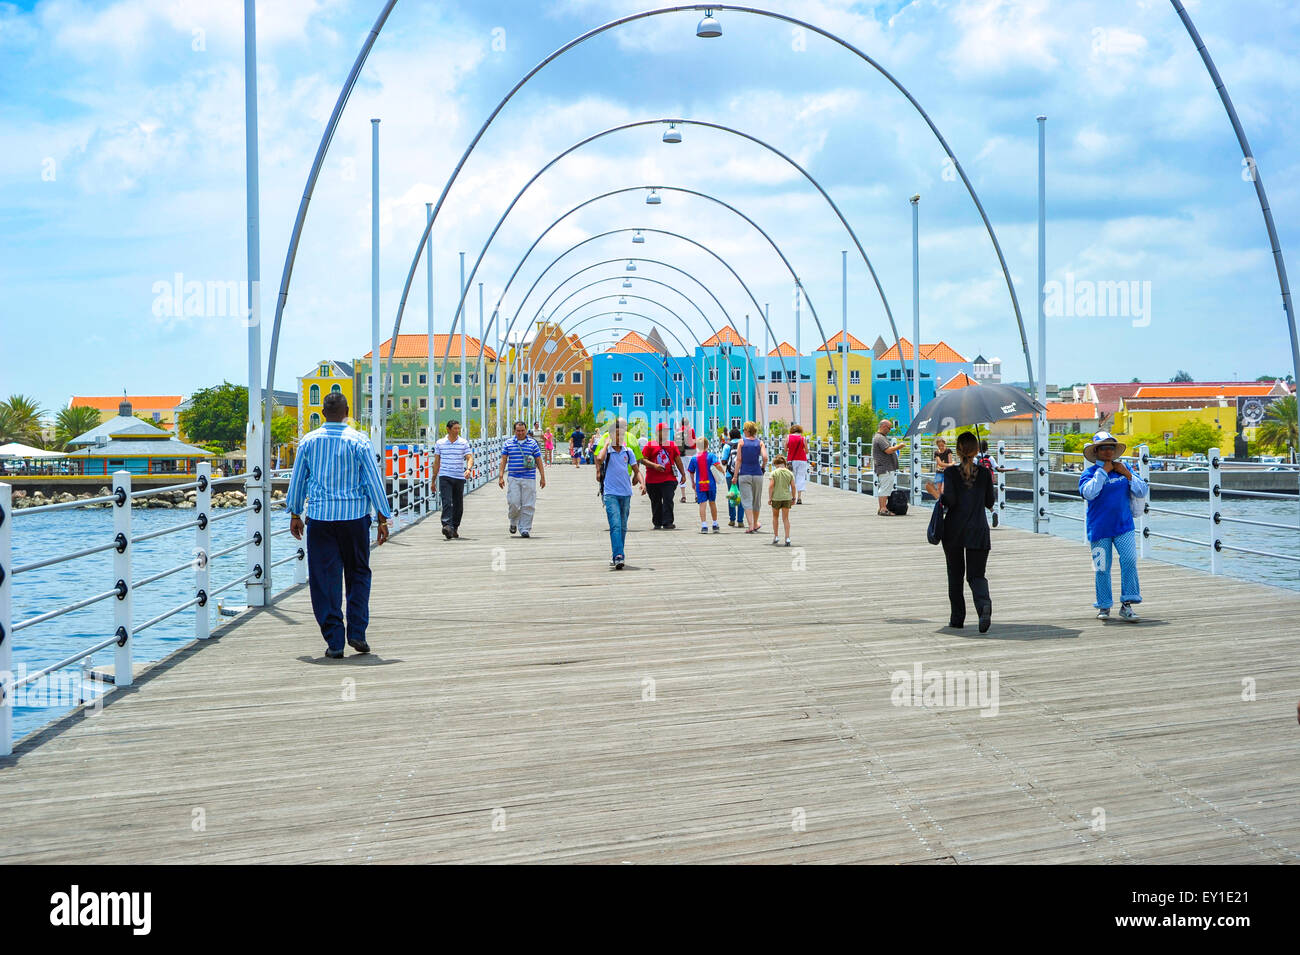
508	687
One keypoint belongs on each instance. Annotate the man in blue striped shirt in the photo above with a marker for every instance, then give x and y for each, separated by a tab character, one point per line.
336	479
521	463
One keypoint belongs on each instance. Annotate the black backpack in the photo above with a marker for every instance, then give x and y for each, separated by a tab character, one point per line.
602	463
897	503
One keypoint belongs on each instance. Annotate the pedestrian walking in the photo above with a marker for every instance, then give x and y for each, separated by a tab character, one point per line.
550	445
663	463
735	509
967	494
617	472
576	439
453	458
1110	487
942	458
522	473
796	454
334	485
884	462
702	465
747	467
780	496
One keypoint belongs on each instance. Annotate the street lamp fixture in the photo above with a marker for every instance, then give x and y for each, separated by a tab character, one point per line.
631	266
654	198
672	134
709	27
627	283
637	237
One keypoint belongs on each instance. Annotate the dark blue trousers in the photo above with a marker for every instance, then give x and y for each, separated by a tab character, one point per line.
338	555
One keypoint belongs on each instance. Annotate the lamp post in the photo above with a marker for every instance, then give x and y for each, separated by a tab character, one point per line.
916	344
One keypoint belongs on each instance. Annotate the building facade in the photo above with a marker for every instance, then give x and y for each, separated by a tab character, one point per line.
786	387
830	359
406	384
327	376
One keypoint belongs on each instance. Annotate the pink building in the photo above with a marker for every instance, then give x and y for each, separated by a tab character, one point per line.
781	389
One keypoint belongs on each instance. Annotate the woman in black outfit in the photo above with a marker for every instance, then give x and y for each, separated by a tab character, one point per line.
967	493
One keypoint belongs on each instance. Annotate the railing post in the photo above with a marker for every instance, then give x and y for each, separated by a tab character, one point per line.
914	453
6	621
1000	476
1144	472
122	672
1216	501
202	544
1042	476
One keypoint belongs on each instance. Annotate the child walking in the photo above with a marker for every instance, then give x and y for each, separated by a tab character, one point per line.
780	495
701	466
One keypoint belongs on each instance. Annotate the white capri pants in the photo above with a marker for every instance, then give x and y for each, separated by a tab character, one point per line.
800	469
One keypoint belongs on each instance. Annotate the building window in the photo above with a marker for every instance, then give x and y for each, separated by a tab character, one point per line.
665	402
638	376
455	404
735	422
690	403
315	421
855	399
638	400
473	403
735	374
713	374
773	398
423	379
559	377
830	377
324	371
559	401
370	382
735	398
406	402
406	378
911	374
893	401
617	376
424	404
492	378
511	380
388	405
456	380
855	377
895	375
790	375
541	377
314	395
442	403
473	379
832	401
616	399
713	399
438	378
677	376
336	389
577	377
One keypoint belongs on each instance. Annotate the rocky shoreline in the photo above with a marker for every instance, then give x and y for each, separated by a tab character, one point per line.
162	500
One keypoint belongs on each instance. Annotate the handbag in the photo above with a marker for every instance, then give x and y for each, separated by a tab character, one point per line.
1138	505
934	532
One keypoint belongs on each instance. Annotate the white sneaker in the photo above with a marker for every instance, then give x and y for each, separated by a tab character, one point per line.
1103	613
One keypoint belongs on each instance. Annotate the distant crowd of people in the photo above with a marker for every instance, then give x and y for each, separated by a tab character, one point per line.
336	483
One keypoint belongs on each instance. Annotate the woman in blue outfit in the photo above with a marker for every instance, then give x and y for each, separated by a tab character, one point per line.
1107	485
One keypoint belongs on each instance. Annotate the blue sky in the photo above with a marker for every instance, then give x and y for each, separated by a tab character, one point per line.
124	166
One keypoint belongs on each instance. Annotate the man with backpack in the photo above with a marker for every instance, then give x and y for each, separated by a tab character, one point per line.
884	462
617	471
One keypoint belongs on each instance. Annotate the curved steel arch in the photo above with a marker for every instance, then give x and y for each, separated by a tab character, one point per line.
460	305
344	94
700	245
614	192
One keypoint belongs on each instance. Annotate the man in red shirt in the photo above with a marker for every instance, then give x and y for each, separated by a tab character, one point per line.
663	465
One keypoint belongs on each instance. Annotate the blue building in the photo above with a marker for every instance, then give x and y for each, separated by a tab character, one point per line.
637	379
891	390
726	389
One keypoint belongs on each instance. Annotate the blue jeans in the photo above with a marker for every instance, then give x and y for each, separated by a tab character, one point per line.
1126	546
338	554
617	507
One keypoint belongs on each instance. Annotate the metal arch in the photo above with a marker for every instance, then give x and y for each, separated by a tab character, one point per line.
1278	262
700	245
614	192
365	51
460	305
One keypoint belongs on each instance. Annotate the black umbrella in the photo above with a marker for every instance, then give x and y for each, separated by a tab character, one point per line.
970	405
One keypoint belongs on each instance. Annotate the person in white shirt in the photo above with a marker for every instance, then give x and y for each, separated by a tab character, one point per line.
453	459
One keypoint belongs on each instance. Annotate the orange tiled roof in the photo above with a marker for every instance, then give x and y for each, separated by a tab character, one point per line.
578	346
727	336
417	346
1203	391
941	352
835	340
783	350
632	342
1066	411
959	380
111	402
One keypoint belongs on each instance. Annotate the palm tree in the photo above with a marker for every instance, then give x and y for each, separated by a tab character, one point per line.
1278	429
72	422
20	420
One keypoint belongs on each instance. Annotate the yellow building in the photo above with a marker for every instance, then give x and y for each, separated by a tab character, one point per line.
1159	421
326	377
826	387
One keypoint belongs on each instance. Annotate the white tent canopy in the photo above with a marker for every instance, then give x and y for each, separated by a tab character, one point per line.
14	450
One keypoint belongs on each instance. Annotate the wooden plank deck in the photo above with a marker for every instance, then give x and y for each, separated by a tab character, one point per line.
505	716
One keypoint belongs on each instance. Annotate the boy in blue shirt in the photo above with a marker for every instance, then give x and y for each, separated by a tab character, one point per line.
701	466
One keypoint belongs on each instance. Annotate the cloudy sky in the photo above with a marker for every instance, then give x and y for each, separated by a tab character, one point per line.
123	170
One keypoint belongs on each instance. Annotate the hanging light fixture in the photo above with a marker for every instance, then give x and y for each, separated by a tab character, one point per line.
631	266
622	300
654	198
638	237
672	134
618	318
709	27
627	283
